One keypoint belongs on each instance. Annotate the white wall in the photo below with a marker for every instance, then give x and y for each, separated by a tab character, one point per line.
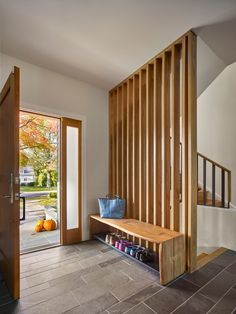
48	92
216	227
217	124
209	65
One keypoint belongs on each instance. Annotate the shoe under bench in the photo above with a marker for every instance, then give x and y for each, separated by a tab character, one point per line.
170	248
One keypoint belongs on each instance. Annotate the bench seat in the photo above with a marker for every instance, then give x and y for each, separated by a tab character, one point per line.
170	244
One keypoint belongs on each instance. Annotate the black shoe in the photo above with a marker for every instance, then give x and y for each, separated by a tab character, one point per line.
145	256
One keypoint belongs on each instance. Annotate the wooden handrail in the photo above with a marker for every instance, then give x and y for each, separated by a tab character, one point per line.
213	162
223	170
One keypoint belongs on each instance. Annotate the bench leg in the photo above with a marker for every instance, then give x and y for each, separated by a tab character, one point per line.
171	259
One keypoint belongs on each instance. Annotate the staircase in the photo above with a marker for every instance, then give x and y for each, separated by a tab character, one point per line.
208	201
214	182
219	193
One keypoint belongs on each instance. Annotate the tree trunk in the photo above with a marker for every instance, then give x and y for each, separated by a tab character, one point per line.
48	180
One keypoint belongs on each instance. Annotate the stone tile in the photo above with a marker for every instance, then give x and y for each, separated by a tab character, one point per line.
232	269
11	308
95	306
227	304
5	299
197	304
219	285
26	292
3	290
172	296
100	286
225	259
50	274
112	261
131	287
204	274
72	276
107	249
90	245
47	262
133	300
98	274
97	259
55	305
45	255
134	271
51	292
140	309
48	268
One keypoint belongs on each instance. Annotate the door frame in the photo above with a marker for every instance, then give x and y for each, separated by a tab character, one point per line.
72	235
81	120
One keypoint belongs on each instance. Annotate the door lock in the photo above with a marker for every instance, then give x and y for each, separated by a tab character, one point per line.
17	196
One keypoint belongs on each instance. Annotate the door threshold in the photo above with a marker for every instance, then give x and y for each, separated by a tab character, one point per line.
39	248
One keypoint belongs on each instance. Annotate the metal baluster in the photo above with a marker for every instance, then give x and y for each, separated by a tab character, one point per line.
213	185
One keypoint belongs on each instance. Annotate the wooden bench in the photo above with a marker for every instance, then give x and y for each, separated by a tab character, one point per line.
170	244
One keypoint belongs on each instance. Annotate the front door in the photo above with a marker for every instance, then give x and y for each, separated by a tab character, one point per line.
9	183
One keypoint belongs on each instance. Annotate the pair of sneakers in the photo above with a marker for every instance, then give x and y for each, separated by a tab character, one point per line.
111	238
140	253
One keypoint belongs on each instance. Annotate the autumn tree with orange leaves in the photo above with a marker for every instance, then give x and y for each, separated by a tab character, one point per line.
38	144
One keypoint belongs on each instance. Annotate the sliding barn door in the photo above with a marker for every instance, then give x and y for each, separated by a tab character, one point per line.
9	183
71	181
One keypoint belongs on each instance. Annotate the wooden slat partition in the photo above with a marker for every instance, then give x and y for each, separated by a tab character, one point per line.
166	175
175	146
157	142
149	111
130	147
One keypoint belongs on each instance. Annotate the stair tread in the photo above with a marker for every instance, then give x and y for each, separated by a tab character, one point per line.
209	257
201	256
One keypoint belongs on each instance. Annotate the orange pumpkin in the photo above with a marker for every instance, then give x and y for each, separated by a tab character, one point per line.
40	223
49	225
38	228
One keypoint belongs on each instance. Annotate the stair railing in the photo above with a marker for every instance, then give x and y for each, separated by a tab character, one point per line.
223	172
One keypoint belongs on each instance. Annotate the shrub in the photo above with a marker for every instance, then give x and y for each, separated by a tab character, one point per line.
53	194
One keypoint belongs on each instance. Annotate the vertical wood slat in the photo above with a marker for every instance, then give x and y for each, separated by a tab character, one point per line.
142	147
166	140
136	159
119	142
192	153
124	141
111	172
115	106
185	160
158	142
130	146
150	145
175	142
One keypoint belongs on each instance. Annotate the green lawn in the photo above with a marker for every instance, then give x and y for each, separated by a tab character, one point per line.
36	188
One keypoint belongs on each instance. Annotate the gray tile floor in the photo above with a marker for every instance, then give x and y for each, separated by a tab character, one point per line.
31	240
92	278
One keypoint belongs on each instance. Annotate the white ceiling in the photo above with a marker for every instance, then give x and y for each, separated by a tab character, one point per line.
100	41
